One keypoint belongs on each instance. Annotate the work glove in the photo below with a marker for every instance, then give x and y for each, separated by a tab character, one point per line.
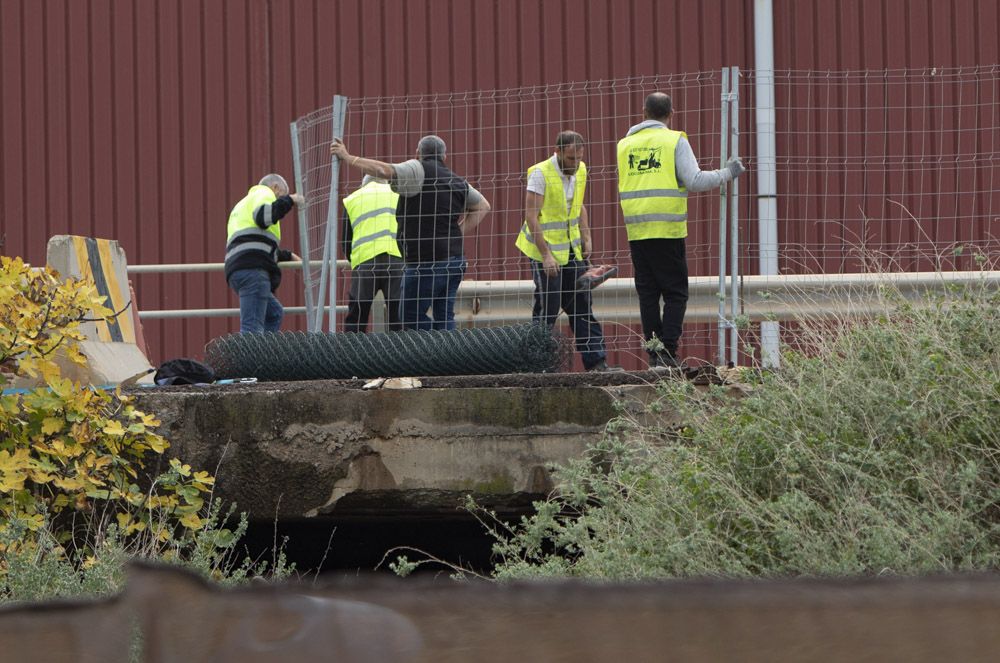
735	168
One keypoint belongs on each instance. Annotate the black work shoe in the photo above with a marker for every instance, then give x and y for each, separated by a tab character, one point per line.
602	367
662	361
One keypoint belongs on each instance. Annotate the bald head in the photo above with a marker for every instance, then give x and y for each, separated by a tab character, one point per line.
658	106
431	147
276	183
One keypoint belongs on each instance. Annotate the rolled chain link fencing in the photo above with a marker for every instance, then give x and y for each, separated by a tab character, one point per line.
286	356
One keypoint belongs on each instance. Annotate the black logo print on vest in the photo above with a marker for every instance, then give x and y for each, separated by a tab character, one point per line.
644	159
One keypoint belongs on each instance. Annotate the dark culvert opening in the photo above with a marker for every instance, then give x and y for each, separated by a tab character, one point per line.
352	545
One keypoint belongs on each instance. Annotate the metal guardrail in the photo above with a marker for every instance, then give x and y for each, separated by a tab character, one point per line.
196	267
782	298
789	297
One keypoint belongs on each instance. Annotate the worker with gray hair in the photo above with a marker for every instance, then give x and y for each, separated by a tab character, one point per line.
252	252
436	209
369	242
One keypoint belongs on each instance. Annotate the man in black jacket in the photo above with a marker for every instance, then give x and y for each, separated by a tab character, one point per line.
436	209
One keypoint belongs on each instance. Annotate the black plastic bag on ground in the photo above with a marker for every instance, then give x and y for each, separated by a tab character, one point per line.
183	371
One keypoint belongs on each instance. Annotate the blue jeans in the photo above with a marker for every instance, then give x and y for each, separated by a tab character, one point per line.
553	293
260	310
431	285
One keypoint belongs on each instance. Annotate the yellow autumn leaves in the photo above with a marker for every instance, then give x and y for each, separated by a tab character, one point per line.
67	445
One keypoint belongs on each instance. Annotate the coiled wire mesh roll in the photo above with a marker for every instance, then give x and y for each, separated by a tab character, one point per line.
528	348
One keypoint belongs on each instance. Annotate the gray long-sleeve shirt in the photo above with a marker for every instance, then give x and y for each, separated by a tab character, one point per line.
689	173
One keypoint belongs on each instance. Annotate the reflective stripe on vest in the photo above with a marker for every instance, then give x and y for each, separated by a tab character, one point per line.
372	210
249	246
560	229
653	202
241	221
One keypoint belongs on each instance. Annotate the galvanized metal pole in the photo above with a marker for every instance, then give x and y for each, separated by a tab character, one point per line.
330	246
723	217
303	228
324	266
734	217
323	270
766	165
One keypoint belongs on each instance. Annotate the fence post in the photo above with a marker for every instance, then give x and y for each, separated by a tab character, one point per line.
723	215
304	247
766	162
734	217
330	242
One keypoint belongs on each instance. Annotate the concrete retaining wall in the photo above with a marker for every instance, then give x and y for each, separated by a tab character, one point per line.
290	451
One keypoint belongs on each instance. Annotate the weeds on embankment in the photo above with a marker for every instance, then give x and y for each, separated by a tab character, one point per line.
875	448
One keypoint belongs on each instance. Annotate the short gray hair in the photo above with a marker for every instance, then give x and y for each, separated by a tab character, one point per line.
272	180
431	147
368	179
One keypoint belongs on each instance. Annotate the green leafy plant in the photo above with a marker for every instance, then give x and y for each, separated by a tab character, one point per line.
67	448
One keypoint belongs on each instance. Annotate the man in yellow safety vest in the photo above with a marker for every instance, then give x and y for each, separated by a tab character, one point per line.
656	171
252	252
556	239
370	244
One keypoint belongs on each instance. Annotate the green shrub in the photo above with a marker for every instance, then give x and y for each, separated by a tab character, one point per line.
74	502
874	449
50	570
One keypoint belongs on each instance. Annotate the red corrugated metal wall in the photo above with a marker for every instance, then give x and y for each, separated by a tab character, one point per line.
144	121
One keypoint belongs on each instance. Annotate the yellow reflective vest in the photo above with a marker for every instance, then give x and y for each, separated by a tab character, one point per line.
372	210
242	224
560	228
241	218
653	203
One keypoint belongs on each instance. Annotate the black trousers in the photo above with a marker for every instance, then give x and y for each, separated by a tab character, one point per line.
559	292
661	273
382	273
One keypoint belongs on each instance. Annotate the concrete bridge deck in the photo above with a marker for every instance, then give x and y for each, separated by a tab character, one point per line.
289	450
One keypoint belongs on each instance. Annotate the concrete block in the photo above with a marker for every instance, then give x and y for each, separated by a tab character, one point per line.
111	346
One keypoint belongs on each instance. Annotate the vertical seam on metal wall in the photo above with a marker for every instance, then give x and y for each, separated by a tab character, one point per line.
113	103
47	204
92	120
181	201
384	69
631	40
23	161
315	42
475	51
564	45
248	41
268	79
226	160
427	56
450	58
406	51
206	222
161	225
496	60
135	130
3	161
862	51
